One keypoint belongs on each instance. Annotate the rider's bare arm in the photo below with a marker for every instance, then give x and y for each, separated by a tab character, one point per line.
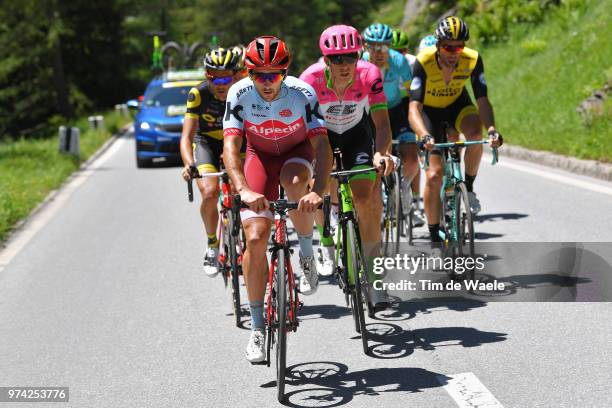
323	164
415	116
189	129
380	118
233	162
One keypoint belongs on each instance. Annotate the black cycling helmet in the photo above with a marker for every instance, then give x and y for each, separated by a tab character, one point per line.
221	59
452	28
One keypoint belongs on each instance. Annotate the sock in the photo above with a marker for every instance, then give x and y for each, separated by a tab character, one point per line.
329	241
433	231
257	318
469	182
212	241
306	245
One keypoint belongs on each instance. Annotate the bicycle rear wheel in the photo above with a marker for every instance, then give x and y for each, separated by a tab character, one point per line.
387	221
281	313
357	265
398	215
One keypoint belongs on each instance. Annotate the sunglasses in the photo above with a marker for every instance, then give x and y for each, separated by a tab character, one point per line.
343	58
261	77
453	49
377	47
224	80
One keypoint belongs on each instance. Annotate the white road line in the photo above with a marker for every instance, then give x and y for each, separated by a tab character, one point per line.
468	391
598	188
39	220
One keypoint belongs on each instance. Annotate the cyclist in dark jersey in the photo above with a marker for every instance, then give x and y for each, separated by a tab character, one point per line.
205	110
438	96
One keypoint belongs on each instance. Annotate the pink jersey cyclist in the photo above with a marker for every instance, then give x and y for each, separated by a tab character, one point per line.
277	132
348	119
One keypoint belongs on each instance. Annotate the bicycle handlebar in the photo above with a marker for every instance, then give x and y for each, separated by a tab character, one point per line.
462	143
282	205
195	174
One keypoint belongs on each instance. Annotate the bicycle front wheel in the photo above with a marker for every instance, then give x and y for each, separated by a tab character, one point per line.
357	265
281	330
464	227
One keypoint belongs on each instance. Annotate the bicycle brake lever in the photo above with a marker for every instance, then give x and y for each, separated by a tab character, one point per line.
190	190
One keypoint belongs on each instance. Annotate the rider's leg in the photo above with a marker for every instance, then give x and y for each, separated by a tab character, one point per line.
254	266
254	261
209	190
294	178
295	175
433	183
471	127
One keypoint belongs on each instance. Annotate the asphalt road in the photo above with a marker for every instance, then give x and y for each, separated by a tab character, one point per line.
103	292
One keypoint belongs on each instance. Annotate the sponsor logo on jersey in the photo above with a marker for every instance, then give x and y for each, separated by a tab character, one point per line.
243	90
273	129
209	118
259	108
416	84
362	158
443	92
377	86
302	90
482	79
342	110
461	77
235	112
285	113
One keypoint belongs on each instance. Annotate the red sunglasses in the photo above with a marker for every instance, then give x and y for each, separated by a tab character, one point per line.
261	77
453	49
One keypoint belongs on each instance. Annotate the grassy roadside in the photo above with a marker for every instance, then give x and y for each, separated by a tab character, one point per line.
31	169
542	72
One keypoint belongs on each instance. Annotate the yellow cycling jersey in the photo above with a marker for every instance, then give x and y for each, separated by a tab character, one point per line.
428	85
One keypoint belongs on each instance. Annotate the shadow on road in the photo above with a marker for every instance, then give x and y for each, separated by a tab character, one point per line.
395	342
499	217
481	236
405	310
332	384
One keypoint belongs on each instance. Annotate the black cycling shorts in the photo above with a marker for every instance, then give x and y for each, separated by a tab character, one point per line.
400	127
357	151
207	154
453	115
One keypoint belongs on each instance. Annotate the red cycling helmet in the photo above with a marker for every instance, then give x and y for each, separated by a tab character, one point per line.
267	52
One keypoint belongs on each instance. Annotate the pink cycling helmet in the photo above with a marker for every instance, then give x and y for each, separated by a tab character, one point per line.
340	39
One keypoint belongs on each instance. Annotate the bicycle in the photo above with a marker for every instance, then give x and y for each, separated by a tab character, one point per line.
457	232
352	274
282	303
231	240
393	217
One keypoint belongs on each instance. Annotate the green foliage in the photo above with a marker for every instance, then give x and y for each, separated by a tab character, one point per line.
536	95
533	46
298	23
23	185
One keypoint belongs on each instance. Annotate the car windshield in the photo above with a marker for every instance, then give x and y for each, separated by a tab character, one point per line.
160	96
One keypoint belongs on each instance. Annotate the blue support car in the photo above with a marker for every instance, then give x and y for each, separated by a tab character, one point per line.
159	121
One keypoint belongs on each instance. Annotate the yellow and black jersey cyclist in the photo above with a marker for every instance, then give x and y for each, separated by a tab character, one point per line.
438	96
204	116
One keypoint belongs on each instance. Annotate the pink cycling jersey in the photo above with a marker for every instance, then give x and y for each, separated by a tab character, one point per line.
363	96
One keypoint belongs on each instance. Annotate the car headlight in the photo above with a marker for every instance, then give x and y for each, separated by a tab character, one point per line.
145	126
